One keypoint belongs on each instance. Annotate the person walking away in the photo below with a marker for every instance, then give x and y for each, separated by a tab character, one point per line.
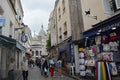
42	62
11	69
24	65
59	66
52	66
45	67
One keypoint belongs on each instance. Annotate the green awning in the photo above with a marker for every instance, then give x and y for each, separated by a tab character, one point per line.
21	47
8	42
7	39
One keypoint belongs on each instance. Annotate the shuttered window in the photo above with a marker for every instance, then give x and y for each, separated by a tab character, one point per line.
106	6
117	4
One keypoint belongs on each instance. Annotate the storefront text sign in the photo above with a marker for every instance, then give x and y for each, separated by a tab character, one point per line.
108	27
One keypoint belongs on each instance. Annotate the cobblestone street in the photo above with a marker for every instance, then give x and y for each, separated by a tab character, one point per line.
34	74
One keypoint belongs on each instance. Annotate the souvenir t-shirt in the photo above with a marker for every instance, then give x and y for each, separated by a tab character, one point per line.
106	47
113	36
98	40
113	68
82	73
81	55
94	49
90	52
113	46
105	39
81	61
108	56
82	67
91	62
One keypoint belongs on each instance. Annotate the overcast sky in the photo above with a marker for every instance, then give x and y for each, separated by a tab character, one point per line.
36	13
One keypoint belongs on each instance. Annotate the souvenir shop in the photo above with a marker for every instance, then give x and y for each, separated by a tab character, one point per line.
100	58
65	53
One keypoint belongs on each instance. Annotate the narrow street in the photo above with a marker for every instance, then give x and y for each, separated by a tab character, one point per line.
34	74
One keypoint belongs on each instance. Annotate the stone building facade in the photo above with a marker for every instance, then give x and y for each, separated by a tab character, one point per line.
39	44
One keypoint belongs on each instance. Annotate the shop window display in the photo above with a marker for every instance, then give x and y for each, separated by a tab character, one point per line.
104	48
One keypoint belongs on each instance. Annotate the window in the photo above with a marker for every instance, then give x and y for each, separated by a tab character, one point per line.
11	29
65	30
32	53
36	53
60	34
65	26
60	31
40	53
117	2
63	5
59	15
115	5
1	11
107	6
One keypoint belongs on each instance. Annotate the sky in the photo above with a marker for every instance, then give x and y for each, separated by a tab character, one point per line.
36	13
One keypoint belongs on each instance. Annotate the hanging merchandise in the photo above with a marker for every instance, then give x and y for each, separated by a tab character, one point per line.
94	49
113	36
90	62
80	49
113	69
99	57
82	67
82	73
102	71
106	47
90	52
81	61
107	56
105	39
98	40
81	55
113	46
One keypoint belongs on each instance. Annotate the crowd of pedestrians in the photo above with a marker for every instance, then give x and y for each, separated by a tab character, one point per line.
46	65
49	65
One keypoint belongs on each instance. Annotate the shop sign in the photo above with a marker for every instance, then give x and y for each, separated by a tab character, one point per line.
24	38
2	21
111	26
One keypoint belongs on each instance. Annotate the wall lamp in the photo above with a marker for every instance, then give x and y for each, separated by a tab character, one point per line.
87	13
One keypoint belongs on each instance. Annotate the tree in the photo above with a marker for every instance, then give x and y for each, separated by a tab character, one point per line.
48	42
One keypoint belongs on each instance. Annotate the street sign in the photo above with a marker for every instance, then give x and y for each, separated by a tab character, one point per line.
24	38
2	21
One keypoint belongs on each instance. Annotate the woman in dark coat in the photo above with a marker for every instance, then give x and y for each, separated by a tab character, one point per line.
45	67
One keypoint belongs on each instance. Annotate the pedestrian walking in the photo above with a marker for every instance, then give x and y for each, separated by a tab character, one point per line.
42	69
11	69
45	67
24	65
59	67
52	66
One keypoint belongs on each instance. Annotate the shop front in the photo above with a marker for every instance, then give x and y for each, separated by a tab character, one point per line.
65	53
7	51
10	48
102	49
